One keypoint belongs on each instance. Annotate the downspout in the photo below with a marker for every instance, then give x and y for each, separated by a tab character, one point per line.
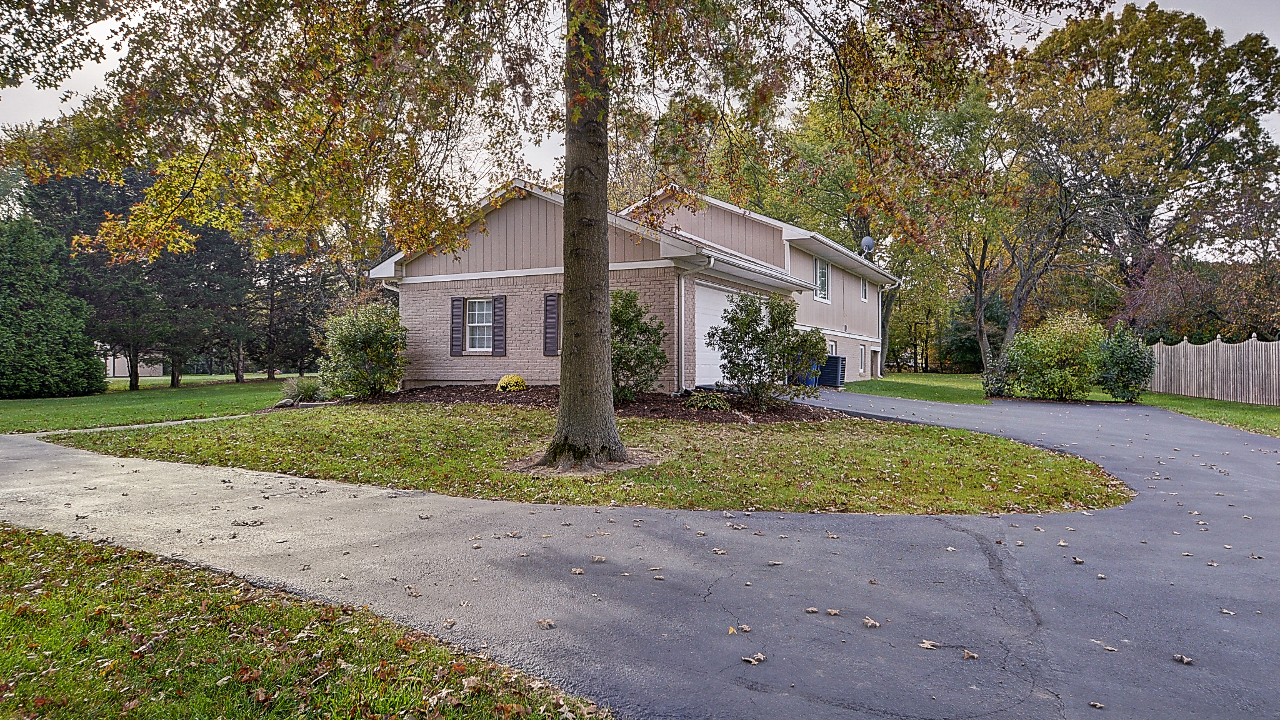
680	312
385	286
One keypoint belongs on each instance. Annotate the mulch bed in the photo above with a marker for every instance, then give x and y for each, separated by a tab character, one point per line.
647	405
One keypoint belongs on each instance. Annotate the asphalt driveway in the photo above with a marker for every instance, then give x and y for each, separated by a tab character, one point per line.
646	631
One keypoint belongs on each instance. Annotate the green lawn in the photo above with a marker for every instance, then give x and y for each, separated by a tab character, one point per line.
847	465
935	387
968	389
1263	419
90	632
139	406
118	384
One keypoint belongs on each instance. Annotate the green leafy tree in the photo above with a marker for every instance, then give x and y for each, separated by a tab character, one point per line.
279	110
762	354
636	345
42	339
363	351
1126	365
1057	360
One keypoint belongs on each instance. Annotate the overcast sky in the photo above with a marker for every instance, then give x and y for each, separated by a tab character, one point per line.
1236	18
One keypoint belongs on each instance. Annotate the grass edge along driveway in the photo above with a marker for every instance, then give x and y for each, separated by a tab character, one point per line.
849	465
967	389
148	405
93	632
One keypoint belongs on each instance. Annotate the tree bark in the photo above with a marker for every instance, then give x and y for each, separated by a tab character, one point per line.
175	372
133	358
586	431
238	361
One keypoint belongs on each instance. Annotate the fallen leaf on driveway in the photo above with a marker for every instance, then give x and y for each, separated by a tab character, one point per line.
412	591
597	558
1227	612
970	655
1063	543
1187	555
928	645
774	562
1018	543
732	630
658	577
718	551
745	628
1101	576
1256	557
547	624
1037	528
832	536
701	534
1183	659
950	549
577	571
832	612
1076	560
1096	705
755	659
869	623
811	610
1211	563
448	624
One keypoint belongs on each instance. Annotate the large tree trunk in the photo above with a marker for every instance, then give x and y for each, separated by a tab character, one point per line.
175	372
238	361
887	298
586	432
133	358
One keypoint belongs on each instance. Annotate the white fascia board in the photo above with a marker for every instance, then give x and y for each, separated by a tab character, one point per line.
838	333
834	252
529	272
756	273
387	268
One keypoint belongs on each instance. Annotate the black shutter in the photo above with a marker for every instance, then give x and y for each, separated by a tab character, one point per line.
500	325
551	324
458	325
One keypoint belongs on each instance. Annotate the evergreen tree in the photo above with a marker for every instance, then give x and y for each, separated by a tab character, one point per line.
44	351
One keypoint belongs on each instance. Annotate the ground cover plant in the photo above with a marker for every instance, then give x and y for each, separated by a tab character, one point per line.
847	465
139	406
1263	419
94	631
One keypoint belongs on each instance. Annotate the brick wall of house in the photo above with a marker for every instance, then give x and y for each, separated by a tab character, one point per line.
425	313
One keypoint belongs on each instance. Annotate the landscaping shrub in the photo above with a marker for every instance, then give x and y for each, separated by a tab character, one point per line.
44	351
512	383
364	350
760	349
1126	365
996	381
1057	360
636	345
304	389
715	402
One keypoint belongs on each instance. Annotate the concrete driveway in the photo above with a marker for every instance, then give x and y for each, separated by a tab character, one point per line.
647	630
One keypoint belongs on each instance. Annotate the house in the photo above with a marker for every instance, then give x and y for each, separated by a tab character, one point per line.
494	308
118	365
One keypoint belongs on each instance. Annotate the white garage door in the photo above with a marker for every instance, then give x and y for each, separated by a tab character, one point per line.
709	307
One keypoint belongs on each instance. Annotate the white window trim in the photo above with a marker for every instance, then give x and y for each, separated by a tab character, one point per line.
862	359
865	288
467	325
817	263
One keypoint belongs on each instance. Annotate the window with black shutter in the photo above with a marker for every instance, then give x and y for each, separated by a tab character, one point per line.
499	325
457	320
551	324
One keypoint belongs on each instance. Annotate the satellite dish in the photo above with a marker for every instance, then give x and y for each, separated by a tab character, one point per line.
868	244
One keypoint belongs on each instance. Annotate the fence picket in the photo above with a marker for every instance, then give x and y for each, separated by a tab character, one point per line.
1247	372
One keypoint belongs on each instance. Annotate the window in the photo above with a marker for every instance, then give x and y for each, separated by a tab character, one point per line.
480	324
831	347
864	289
862	359
822	278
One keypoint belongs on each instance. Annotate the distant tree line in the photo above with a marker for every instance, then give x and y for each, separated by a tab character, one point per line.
215	309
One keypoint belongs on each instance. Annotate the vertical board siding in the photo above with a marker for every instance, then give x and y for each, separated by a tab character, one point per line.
1247	372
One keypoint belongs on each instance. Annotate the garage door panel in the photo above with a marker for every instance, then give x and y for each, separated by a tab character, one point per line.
709	306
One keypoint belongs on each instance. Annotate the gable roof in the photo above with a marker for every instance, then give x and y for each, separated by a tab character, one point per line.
815	244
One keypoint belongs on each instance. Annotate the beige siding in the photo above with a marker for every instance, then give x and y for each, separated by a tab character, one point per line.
846	313
733	231
424	309
522	234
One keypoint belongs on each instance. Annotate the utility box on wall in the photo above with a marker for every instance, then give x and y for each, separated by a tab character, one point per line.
832	374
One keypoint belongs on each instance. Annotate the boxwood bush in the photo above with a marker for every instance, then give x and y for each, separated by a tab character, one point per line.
636	345
364	350
1127	365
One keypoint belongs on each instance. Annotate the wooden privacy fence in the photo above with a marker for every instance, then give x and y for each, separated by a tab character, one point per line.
1246	372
